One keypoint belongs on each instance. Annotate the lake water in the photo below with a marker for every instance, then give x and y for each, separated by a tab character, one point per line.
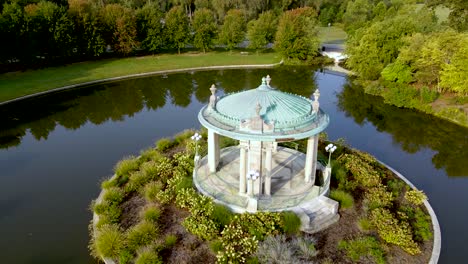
55	149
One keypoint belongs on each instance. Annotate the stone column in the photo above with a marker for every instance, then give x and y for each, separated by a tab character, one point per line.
255	163
213	150
268	166
243	168
311	159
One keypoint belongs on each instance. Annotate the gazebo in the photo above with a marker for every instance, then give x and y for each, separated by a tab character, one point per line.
258	174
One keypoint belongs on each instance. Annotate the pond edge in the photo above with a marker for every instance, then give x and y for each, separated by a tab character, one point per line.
135	75
435	223
436	248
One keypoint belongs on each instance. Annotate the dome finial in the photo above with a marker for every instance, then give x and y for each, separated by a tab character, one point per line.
315	103
263	80
268	79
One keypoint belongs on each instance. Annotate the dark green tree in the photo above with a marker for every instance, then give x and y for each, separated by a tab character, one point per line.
297	36
233	29
177	28
149	27
204	27
262	31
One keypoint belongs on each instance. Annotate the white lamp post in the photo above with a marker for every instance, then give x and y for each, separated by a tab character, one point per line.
196	137
330	148
252	176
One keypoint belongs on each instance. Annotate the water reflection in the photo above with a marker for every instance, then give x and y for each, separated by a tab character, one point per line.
412	130
114	101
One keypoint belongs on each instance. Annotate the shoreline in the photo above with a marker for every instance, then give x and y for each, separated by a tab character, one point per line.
137	75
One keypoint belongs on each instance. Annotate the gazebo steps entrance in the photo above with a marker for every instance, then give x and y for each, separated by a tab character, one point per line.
318	215
289	190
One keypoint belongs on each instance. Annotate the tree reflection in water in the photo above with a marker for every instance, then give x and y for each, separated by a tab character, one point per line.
411	129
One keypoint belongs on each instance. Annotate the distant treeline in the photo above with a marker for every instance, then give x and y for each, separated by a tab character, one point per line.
38	33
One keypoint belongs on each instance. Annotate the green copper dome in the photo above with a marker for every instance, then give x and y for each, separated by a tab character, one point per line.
263	113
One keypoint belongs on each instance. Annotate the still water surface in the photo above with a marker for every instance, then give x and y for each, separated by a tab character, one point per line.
55	149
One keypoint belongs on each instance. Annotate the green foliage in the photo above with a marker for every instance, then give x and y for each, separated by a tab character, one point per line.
262	31
137	181
297	35
378	196
152	189
201	209
455	72
356	16
415	197
396	186
108	213
397	72
421	224
238	244
141	234
170	241
150	28
148	256
151	214
216	246
109	241
428	95
205	29
362	247
345	199
221	215
233	29
400	95
113	196
177	28
164	144
291	223
150	154
454	114
364	224
126	166
361	166
393	231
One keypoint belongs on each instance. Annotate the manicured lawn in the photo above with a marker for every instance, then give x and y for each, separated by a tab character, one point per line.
17	84
332	35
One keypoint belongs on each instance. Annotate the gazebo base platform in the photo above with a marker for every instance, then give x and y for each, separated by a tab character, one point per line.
288	187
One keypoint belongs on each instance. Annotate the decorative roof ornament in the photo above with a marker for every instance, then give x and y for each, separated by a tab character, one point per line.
212	103
268	80
258	107
315	103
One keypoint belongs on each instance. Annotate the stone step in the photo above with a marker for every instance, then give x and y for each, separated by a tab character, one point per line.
322	224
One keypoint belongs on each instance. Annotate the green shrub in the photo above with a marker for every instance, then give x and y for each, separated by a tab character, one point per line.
138	180
361	166
362	247
164	144
170	241
238	244
428	95
126	166
393	231
125	257
421	224
221	215
108	213
150	169
291	222
151	190
109	183
113	195
151	214
377	197
109	241
364	224
261	224
141	234
216	246
453	113
400	95
148	256
345	199
183	136
150	154
415	197
396	186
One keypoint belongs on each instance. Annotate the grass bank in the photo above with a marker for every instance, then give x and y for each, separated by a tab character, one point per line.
17	84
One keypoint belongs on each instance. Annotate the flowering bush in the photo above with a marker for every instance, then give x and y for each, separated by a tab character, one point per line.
415	197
